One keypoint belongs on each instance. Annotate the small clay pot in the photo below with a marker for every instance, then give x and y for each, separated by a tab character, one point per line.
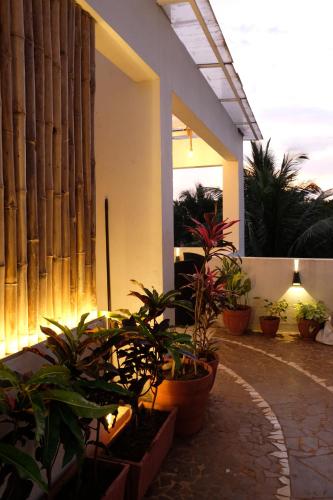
308	328
237	320
269	325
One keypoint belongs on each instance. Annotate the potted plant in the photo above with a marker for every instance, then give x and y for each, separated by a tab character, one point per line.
236	312
90	397
40	412
18	469
310	318
207	285
146	343
270	322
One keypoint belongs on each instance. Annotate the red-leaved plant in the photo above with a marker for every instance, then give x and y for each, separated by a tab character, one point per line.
208	287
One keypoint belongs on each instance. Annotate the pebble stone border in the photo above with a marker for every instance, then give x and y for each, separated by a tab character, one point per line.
276	436
314	378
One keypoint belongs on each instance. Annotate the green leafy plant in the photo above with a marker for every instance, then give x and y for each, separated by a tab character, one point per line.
90	395
316	311
276	309
42	408
236	283
148	340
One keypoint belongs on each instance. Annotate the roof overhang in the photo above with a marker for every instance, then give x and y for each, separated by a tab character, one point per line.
196	26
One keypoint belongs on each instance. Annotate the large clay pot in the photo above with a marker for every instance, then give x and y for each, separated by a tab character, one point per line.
269	325
190	397
237	320
308	328
214	363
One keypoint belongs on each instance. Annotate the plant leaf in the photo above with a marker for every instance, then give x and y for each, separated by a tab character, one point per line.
25	465
79	404
8	375
39	411
58	375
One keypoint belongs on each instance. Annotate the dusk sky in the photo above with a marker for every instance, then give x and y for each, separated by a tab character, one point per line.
283	52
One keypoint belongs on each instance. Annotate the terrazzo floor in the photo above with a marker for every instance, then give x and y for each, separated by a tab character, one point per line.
269	426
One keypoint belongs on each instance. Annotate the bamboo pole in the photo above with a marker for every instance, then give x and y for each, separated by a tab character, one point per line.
32	213
71	159
79	166
65	161
19	123
2	244
40	152
48	115
86	148
9	179
56	160
93	163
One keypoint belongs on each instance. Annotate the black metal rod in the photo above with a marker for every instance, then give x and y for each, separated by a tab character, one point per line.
107	248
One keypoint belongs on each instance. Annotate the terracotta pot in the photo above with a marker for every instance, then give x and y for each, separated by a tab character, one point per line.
269	325
141	474
190	397
308	328
237	320
213	363
105	468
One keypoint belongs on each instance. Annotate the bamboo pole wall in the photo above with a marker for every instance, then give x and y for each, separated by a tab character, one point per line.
47	166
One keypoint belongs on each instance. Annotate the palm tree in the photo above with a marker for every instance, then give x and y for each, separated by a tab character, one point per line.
315	227
272	201
193	204
285	218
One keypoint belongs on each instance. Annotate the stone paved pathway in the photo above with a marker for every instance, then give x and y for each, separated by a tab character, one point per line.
269	421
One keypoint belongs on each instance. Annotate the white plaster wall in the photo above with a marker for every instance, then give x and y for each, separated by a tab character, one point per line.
272	279
128	172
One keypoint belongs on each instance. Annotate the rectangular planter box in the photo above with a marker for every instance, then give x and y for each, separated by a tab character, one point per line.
116	489
141	474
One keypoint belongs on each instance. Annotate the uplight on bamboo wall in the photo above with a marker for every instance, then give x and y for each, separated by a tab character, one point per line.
47	167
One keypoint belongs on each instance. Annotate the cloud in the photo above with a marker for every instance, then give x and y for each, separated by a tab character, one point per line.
298	114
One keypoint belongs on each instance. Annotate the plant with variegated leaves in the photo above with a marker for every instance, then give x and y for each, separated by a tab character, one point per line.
208	287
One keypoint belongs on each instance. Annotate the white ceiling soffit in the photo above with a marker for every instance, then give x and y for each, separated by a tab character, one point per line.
196	26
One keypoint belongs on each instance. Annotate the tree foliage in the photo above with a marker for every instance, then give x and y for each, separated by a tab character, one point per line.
284	217
193	204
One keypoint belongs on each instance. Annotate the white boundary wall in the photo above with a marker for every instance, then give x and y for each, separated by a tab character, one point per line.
272	279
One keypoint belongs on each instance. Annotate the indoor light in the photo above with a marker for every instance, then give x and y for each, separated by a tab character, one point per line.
190	136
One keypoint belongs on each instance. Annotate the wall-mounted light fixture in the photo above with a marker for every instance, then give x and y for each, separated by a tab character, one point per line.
177	254
296	275
190	137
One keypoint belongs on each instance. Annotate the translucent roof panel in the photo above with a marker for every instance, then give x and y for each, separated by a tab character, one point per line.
217	80
190	32
196	26
214	29
235	112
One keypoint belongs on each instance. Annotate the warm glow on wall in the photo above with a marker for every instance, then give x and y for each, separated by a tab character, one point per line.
14	345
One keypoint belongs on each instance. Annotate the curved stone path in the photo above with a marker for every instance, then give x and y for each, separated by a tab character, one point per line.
270	420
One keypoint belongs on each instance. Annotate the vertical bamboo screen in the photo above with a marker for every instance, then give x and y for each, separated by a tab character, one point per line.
47	166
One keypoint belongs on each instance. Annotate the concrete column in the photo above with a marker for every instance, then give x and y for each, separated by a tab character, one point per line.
167	187
233	200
